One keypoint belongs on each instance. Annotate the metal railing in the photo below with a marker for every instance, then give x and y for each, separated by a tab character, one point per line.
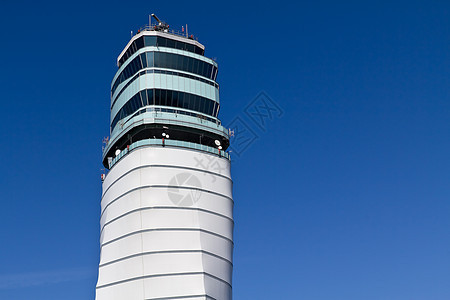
167	143
153	27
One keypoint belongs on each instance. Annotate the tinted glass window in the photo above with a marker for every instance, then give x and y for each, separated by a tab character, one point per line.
157	97
139	43
161	42
165	60
150	59
166	98
190	48
143	60
170	43
151	96
157	59
150	40
163	97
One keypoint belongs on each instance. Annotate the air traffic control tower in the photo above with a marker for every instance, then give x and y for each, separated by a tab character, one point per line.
167	208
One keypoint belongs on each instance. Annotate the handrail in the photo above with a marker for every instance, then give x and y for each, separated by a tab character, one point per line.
153	27
167	143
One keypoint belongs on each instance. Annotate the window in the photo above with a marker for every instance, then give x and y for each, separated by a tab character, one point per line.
166	60
149	41
167	98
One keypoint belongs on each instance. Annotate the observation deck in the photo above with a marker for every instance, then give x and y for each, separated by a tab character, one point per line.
164	88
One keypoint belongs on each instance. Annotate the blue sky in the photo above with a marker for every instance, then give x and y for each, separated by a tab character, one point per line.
344	195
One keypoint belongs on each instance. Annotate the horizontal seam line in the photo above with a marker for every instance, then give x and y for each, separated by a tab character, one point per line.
161	186
182	297
163	275
165	229
165	252
164	207
162	166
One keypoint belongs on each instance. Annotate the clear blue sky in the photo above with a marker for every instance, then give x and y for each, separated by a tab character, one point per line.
345	196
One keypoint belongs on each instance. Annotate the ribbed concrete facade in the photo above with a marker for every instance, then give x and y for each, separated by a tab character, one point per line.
167	227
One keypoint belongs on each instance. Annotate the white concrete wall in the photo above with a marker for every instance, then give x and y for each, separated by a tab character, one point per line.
167	227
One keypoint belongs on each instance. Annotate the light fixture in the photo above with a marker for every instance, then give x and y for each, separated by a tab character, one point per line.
217	142
117	152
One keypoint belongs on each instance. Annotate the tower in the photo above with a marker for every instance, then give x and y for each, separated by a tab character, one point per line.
167	208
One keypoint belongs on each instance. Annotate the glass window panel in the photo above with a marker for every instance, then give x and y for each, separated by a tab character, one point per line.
125	110
164	60
168	61
163	97
126	71
162	42
140	43
184	100
196	104
149	59
210	107
179	62
157	59
157	96
150	40
209	68
188	104
129	69
205	69
175	61
143	60
200	70
169	98
190	48
133	103
196	63
216	107
201	108
181	99
170	43
133	66
203	105
208	71
174	99
143	98
137	64
185	64
190	65
171	61
150	97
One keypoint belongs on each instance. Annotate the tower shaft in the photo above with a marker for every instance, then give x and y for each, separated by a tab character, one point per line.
167	206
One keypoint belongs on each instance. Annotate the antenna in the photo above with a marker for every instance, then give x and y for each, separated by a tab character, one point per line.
157	19
162	26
